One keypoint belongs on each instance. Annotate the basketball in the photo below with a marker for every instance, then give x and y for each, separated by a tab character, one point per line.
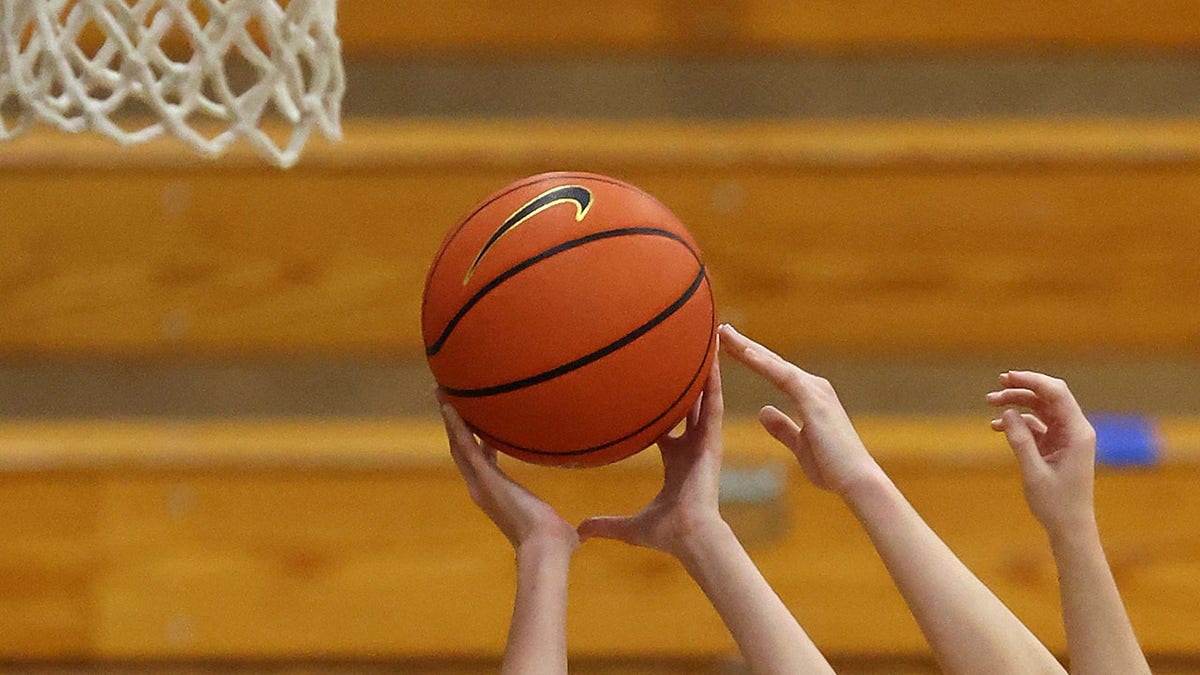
569	319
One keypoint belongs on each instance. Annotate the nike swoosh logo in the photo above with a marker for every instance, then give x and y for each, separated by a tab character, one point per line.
580	196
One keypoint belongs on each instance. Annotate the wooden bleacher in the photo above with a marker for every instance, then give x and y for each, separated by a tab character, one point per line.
383	27
263	539
855	238
373	29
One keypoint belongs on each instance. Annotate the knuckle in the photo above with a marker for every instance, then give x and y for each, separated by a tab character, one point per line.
1087	433
794	380
823	385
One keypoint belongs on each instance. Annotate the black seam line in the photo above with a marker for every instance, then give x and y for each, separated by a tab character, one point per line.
589	358
544	200
533	180
466	219
437	345
647	425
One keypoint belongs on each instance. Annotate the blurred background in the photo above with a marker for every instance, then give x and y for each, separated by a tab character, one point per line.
218	448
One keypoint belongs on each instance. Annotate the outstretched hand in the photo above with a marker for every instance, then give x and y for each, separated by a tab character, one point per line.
687	502
822	437
520	515
1055	445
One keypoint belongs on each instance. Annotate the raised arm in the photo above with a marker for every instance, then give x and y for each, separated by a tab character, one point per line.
543	541
968	628
684	521
1056	448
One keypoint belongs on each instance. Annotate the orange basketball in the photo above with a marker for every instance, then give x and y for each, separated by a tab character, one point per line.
569	319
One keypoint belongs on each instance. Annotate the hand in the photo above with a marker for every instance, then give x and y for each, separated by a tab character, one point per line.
824	441
1055	445
687	503
520	515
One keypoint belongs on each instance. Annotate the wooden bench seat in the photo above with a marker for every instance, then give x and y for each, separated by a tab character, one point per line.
383	28
266	539
380	27
852	238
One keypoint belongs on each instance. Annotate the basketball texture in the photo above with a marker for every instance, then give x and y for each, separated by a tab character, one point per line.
569	319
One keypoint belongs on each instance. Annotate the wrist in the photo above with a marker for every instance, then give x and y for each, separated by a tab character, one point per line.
696	543
866	487
545	549
1070	533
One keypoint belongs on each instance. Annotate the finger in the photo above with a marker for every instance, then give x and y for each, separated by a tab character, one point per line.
1050	389
459	452
1021	440
463	446
712	408
693	416
489	453
620	528
1035	424
766	363
1024	398
783	429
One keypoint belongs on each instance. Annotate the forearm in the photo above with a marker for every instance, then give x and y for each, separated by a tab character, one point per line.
1100	638
767	634
966	625
537	637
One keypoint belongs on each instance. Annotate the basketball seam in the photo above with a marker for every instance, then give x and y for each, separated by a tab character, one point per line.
509	273
533	180
608	444
558	371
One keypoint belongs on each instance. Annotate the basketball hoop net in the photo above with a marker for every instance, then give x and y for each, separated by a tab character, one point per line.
208	72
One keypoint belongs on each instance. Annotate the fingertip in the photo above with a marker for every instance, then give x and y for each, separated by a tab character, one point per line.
730	340
449	414
766	412
777	423
997	424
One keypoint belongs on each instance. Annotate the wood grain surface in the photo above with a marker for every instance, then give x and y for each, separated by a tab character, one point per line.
854	238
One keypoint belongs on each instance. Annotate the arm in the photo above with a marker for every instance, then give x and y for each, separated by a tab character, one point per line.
684	521
543	541
968	628
1056	449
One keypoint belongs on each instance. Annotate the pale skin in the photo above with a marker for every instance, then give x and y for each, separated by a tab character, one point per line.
968	628
684	521
543	543
1055	447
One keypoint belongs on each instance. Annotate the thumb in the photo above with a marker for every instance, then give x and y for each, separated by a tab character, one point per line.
1021	440
783	429
621	528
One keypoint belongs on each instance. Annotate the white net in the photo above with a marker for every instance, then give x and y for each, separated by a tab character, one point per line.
209	72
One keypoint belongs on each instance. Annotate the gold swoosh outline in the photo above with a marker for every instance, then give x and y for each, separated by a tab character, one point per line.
518	217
